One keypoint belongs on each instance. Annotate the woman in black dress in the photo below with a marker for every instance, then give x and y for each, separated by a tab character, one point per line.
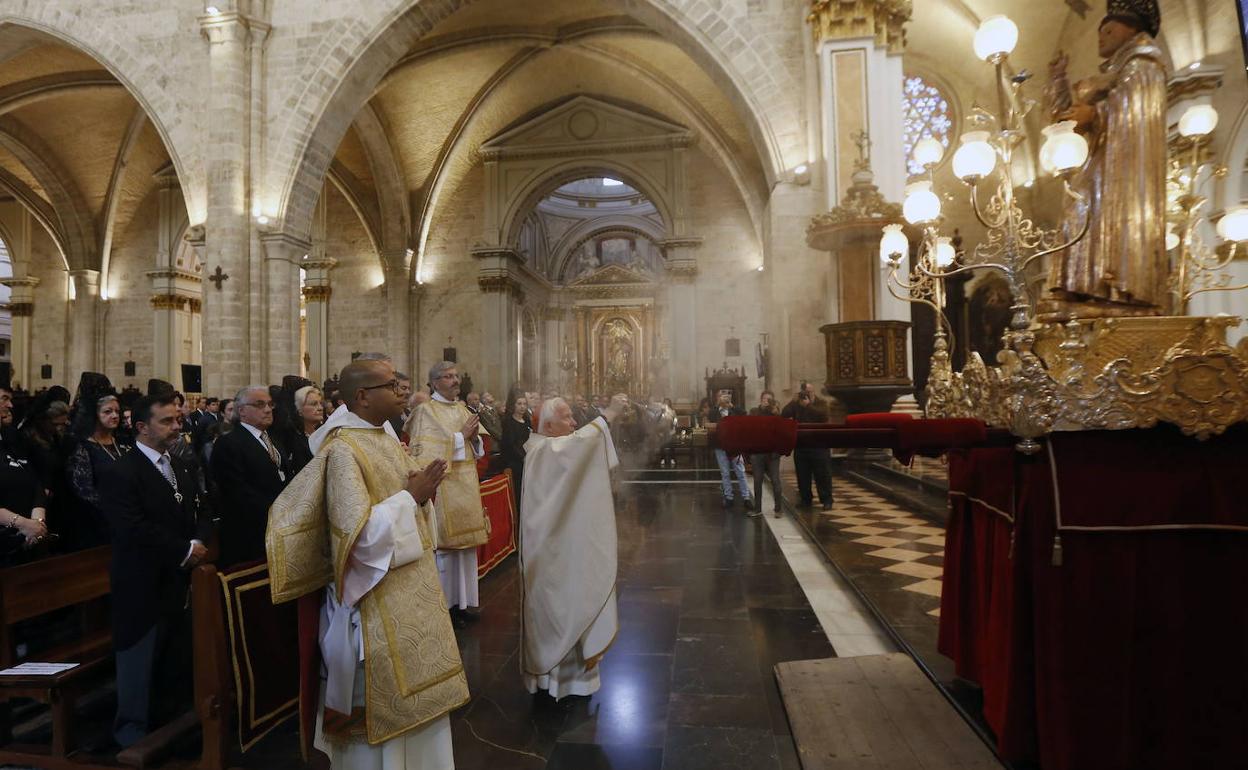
516	430
22	510
95	426
309	414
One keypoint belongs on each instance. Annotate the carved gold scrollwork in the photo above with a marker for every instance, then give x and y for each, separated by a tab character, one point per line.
1189	378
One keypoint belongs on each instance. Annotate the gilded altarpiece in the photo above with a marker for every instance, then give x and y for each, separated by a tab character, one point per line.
614	346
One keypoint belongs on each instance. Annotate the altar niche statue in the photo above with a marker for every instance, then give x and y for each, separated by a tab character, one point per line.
1121	267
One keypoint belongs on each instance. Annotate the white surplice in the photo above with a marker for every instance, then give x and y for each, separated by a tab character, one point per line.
457	568
568	558
390	538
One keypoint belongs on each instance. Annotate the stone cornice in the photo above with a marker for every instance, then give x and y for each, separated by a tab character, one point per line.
1189	84
501	284
589	149
174	274
281	245
317	293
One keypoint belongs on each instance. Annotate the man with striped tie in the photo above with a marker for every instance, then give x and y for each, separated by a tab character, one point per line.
250	471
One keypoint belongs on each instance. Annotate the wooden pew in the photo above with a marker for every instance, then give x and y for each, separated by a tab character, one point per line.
32	590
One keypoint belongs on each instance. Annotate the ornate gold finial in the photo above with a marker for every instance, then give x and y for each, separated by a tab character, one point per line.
883	20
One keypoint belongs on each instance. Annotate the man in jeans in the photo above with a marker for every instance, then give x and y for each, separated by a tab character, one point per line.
724	408
766	464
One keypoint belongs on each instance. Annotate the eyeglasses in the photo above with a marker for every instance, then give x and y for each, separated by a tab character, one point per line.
392	385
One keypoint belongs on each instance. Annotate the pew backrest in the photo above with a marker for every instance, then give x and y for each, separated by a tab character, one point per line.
30	590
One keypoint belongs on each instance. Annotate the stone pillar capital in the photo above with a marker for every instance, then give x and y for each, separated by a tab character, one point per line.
224	27
882	20
285	247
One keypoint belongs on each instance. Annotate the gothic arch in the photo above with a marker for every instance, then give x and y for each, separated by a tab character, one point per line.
162	103
746	67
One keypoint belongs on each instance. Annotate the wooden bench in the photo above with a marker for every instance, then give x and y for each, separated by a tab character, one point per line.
32	590
875	711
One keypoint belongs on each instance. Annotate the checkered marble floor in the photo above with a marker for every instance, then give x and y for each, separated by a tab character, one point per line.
900	543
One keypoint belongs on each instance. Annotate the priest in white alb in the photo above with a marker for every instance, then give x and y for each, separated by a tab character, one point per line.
568	550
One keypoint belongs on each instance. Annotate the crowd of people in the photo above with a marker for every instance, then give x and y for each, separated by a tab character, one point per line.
171	482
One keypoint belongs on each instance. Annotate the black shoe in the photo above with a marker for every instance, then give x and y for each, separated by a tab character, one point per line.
468	616
457	621
776	511
727	503
748	503
752	513
827	506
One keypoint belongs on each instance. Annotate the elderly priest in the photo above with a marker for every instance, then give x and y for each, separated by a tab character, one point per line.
568	550
356	522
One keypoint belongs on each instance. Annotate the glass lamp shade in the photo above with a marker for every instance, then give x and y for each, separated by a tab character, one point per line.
975	158
945	253
1172	238
1198	120
1063	149
894	241
921	205
1233	226
996	36
928	151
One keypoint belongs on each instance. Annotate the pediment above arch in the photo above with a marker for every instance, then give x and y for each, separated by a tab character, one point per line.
584	124
613	275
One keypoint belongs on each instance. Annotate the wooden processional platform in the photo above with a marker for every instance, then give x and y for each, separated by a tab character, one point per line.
875	711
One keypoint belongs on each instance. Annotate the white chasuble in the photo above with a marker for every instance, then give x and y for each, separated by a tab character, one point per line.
568	559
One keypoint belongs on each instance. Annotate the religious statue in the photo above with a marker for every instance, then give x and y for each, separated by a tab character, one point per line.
586	261
619	355
1121	267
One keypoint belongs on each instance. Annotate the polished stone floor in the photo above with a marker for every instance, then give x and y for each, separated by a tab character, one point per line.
708	605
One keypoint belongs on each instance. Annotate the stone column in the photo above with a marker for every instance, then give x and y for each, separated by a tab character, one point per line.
682	300
398	289
283	255
82	322
860	45
21	310
316	293
502	294
176	322
227	311
552	345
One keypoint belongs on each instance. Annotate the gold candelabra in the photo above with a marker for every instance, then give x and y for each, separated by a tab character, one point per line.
1013	241
1199	267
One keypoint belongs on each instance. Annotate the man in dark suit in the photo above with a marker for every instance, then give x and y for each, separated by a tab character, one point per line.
250	470
153	504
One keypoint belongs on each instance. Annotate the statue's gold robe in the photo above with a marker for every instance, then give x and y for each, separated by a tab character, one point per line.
412	668
431	431
1121	267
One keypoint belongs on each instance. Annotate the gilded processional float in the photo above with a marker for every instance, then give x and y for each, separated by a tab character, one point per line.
1099	336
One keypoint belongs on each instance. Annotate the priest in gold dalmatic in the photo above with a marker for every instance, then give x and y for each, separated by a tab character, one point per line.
355	526
1121	268
443	428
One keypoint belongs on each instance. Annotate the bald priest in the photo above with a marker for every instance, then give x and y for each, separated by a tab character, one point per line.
355	523
568	550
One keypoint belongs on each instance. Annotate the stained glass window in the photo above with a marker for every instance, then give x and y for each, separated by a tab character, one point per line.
926	113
